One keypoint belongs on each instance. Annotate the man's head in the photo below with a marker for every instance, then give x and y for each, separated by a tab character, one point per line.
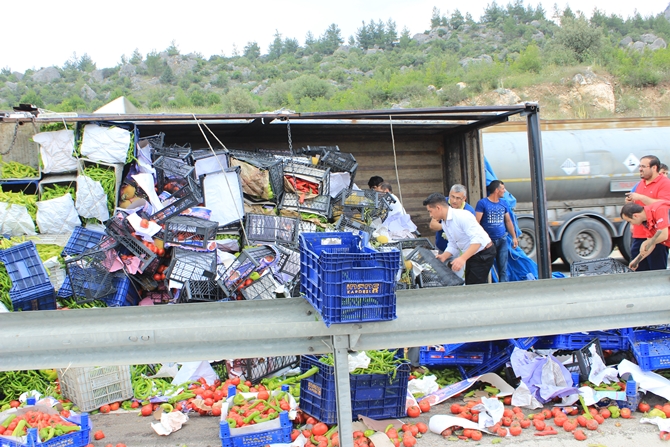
375	181
633	213
386	187
649	167
457	196
496	188
663	170
437	207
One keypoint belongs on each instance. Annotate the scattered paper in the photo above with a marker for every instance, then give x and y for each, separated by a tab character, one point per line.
646	380
662	424
169	423
490	412
146	182
358	360
191	371
136	221
440	422
599	371
449	391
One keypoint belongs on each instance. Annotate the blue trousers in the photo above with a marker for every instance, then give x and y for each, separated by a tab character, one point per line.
501	257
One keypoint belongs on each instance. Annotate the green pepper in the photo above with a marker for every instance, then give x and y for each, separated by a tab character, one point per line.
8	420
238	399
270	417
251	416
231	422
19	430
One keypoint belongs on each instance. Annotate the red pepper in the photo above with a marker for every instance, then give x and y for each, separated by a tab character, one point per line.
547	431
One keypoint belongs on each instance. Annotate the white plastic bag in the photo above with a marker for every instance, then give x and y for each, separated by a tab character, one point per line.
56	150
106	144
57	216
91	199
15	220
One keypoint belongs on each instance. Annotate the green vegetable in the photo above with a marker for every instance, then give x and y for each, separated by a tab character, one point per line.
381	362
656	413
55	190
14	169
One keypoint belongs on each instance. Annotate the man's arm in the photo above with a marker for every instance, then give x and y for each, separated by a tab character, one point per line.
636	197
435	225
478	216
510	230
458	263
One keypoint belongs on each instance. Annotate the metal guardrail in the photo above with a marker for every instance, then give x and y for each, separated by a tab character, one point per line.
244	329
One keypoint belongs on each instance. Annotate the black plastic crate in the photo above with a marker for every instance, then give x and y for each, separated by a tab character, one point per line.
156	141
347	224
316	175
582	360
274	167
288	266
261	228
203	291
89	273
183	153
81	240
172	173
120	229
321	205
366	205
262	289
339	162
416	242
188	231
595	267
188	196
256	369
191	265
250	260
319	150
434	273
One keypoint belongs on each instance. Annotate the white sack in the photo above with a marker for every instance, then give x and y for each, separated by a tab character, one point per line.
56	150
91	199
57	216
106	144
15	220
224	196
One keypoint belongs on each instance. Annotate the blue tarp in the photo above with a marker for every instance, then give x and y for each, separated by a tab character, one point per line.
519	266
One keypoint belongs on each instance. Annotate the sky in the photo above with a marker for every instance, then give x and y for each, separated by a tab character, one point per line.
52	32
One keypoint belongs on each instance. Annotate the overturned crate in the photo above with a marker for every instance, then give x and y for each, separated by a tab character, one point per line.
433	272
264	229
191	232
250	260
89	273
274	189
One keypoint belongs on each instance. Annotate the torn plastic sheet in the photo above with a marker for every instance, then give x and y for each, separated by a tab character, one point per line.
545	377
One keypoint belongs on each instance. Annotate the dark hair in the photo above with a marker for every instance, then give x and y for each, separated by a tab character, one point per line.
663	167
386	186
495	184
631	208
435	199
653	161
375	180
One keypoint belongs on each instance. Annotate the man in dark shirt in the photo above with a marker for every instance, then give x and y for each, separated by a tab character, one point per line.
494	218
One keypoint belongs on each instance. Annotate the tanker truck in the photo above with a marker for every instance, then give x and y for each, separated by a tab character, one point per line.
589	165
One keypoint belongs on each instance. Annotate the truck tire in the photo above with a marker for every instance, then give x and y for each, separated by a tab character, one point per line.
623	243
527	241
585	239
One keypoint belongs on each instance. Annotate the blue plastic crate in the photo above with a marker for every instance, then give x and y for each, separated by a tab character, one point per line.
81	240
651	349
31	288
125	294
73	439
578	340
276	431
523	343
378	396
494	363
38	298
431	357
345	281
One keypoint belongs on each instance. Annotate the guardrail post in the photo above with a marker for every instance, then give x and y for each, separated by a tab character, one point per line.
343	389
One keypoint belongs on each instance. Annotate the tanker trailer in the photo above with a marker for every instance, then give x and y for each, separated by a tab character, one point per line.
589	165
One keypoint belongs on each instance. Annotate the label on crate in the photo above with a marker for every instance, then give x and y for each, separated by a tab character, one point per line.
314	388
363	289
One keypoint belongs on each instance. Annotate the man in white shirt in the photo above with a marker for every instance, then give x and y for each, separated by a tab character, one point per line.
469	245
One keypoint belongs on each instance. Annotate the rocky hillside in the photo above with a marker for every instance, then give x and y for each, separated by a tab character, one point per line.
574	66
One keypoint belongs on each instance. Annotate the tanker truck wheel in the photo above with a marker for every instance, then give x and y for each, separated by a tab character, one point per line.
623	243
585	239
527	241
